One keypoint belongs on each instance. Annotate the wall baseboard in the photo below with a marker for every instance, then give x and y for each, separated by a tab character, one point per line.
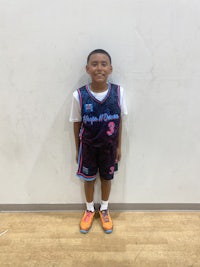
112	206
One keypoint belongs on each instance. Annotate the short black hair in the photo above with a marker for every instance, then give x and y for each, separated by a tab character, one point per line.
99	51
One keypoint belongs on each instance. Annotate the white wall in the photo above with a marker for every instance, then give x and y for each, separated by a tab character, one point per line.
156	57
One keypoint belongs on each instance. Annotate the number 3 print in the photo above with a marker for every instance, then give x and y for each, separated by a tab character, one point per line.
111	126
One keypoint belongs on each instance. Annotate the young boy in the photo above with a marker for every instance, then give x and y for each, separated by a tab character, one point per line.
96	113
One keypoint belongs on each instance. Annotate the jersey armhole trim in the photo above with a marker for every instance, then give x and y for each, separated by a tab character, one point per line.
80	98
118	93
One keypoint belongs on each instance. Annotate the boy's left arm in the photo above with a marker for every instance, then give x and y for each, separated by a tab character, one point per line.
118	153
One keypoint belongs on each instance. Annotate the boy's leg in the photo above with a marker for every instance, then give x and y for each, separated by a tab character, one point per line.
87	219
89	190
105	191
87	170
104	212
106	169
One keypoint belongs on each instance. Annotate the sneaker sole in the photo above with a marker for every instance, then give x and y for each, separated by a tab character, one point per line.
108	231
84	231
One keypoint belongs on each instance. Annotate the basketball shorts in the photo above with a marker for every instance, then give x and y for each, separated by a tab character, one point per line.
96	159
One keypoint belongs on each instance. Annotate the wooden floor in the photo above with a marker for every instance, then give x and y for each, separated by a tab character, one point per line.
139	239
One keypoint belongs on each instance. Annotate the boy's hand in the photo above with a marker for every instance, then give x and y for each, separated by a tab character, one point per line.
118	155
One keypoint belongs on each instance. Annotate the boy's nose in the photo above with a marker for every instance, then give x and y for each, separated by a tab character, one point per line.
99	66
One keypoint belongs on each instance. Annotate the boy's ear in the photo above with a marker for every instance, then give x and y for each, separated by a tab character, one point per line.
111	69
87	69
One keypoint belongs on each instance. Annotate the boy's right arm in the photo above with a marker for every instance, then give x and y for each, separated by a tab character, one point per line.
77	126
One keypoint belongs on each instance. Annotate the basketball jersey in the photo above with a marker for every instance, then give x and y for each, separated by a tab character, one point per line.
100	119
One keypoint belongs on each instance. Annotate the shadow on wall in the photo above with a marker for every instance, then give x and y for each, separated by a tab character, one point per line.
52	178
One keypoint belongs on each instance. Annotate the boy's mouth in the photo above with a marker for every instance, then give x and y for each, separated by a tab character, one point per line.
99	74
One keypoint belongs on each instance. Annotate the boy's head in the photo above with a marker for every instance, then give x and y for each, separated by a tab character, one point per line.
99	51
99	66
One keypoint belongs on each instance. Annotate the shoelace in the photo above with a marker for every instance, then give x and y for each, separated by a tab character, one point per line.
87	216
105	215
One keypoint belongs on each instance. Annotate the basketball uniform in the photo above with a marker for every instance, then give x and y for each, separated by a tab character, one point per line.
99	133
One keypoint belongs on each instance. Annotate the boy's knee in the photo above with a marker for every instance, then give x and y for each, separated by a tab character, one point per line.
89	183
105	181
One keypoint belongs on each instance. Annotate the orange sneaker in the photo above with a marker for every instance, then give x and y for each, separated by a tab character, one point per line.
86	221
106	221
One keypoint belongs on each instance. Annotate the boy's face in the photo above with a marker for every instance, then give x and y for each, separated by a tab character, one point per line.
99	67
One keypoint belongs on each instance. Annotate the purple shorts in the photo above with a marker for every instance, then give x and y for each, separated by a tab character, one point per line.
93	159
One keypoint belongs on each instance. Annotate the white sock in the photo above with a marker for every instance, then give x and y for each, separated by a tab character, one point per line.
90	206
104	205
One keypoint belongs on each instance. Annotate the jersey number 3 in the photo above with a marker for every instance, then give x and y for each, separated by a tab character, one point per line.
111	126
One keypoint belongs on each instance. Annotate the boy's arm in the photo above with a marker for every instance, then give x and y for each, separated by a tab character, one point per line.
118	154
77	126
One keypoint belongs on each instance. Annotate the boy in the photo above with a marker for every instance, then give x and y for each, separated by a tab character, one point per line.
96	113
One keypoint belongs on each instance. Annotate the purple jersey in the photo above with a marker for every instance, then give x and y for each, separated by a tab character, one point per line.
100	119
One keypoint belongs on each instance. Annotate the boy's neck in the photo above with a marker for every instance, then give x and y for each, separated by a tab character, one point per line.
98	87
